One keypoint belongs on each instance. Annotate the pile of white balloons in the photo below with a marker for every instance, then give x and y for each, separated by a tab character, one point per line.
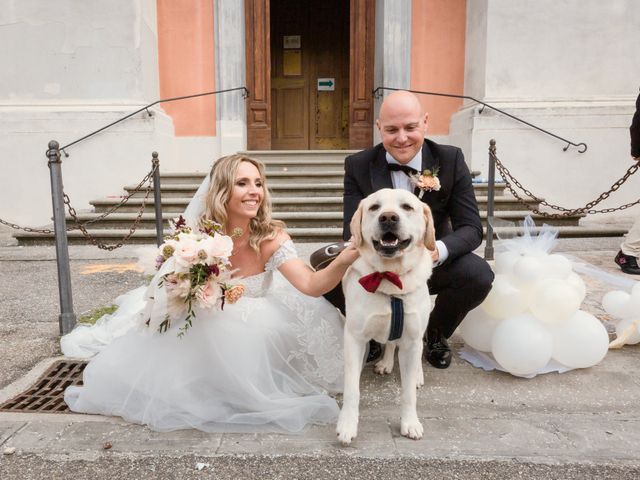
626	308
532	316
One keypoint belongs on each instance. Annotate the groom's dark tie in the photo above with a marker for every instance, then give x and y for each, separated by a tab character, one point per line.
394	167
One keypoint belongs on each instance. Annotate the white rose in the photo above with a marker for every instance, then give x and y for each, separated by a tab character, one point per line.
218	246
186	253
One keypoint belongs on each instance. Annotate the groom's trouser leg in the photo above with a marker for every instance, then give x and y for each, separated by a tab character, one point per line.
336	297
461	286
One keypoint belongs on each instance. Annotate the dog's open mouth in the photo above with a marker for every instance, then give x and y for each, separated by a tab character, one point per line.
389	244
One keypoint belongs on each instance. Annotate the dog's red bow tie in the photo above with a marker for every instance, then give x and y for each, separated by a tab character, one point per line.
372	281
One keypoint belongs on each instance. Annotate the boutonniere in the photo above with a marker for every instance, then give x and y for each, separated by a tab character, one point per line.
427	181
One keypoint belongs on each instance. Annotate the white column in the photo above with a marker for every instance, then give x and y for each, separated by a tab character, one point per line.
392	48
230	73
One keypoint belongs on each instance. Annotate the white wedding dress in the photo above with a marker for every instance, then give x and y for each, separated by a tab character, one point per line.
265	363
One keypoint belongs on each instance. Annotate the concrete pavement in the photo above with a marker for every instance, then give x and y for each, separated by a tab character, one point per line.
580	424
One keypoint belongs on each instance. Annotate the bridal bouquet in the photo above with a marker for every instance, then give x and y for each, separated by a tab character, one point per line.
201	275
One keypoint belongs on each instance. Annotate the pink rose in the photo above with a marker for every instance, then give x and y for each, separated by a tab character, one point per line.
233	294
177	286
209	295
428	182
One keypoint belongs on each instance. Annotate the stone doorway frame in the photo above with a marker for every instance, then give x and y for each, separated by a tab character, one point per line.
258	73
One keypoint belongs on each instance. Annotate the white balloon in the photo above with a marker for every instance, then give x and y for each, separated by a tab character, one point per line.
624	325
528	270
557	266
632	308
580	341
477	329
615	302
578	284
504	299
553	301
522	345
505	261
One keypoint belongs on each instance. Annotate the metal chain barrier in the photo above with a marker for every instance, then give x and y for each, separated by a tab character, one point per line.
510	180
134	226
124	200
79	224
26	229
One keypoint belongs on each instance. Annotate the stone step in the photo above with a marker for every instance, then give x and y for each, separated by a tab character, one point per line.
482	189
288	182
299	219
292	219
273	157
292	188
272	169
177	204
320	235
281	179
148	236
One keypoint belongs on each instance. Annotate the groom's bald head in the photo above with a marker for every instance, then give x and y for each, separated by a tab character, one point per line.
402	124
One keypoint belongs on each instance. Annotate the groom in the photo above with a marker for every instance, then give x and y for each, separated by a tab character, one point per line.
460	278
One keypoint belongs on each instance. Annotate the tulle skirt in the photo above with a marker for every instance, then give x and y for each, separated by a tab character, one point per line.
262	364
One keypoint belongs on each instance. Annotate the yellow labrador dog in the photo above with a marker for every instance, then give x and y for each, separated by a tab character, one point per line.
387	300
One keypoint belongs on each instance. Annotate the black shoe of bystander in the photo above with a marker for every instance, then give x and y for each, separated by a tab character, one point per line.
627	263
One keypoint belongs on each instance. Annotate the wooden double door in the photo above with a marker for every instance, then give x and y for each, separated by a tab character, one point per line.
309	74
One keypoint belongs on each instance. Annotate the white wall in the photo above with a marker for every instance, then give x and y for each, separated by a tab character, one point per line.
73	67
573	68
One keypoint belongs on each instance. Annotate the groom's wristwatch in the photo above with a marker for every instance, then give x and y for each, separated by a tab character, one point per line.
324	256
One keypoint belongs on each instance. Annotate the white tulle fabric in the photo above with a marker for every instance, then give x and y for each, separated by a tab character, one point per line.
264	363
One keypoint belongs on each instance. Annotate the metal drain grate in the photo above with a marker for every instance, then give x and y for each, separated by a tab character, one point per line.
47	394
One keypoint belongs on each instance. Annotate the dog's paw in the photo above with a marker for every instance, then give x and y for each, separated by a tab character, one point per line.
412	429
383	368
347	429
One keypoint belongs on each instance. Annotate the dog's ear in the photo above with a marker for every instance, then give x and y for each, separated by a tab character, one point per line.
356	227
429	232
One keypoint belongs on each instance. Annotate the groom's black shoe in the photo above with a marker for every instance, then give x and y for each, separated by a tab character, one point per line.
437	351
375	351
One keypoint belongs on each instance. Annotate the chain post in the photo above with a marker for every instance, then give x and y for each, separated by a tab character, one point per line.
157	198
67	318
491	192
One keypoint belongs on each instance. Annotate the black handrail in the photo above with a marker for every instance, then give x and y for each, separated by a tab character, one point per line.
146	107
376	94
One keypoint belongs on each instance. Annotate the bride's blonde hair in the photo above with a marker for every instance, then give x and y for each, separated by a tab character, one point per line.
222	178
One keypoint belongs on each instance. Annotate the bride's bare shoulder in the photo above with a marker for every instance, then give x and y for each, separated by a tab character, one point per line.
269	247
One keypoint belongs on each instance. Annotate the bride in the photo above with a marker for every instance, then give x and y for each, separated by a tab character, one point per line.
265	363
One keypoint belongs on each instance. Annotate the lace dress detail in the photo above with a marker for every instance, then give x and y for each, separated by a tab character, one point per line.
320	354
286	252
258	285
264	363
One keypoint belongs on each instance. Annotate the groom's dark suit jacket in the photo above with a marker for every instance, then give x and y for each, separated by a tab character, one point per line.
454	207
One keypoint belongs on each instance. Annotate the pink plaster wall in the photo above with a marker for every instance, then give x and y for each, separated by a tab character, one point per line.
186	64
437	57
